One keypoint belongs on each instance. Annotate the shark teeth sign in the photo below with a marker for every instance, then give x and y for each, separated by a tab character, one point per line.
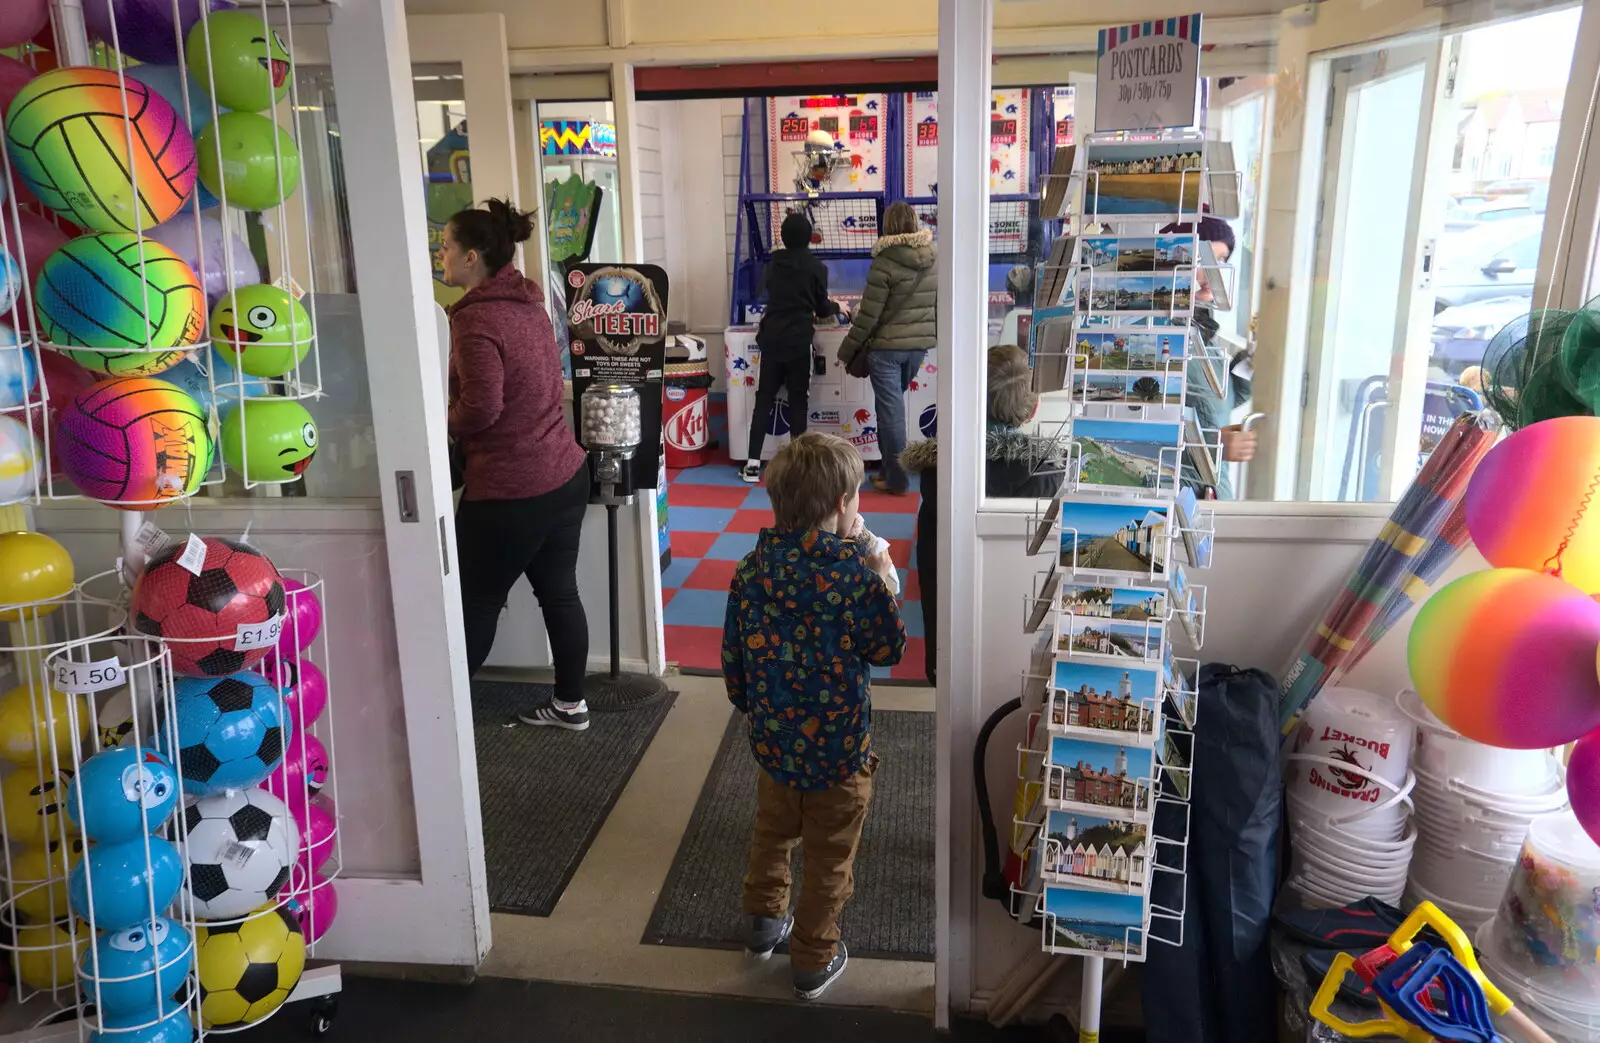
1148	75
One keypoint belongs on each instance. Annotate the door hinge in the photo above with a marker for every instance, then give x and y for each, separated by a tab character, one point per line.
1305	389
1450	77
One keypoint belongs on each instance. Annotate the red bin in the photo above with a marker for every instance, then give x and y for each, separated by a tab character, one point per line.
684	427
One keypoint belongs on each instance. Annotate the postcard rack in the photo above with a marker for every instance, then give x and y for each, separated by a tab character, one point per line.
1101	824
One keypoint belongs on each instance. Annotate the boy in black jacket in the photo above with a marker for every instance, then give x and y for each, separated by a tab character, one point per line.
797	295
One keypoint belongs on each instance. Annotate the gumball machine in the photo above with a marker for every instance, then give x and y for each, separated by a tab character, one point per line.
611	430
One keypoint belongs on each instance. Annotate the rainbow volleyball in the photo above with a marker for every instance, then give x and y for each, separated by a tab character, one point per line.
102	150
134	443
1507	657
132	300
1532	502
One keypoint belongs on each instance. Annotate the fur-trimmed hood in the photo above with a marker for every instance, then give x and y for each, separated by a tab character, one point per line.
1002	445
922	238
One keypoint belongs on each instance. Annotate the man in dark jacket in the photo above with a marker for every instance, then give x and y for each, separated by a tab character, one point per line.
797	295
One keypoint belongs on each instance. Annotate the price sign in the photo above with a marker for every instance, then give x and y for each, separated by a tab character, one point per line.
251	636
87	678
864	127
794	128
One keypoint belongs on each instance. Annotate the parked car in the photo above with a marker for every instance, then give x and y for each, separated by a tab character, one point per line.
1463	216
1461	334
1495	259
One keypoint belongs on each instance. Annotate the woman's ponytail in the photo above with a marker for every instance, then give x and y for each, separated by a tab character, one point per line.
493	231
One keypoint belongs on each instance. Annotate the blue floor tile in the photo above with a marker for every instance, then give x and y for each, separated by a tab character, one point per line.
731	546
711	474
697	608
674	575
889	526
701	519
911	616
758	500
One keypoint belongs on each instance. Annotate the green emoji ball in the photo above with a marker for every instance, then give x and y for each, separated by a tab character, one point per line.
244	59
265	330
269	439
240	165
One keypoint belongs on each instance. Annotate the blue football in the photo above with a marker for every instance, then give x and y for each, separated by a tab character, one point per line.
232	732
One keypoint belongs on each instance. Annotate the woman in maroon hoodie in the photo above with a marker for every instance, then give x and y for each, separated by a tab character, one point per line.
527	483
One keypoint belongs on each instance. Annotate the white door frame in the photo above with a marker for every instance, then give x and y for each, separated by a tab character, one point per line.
371	60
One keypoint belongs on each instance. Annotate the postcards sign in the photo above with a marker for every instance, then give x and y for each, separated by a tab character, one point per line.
1148	75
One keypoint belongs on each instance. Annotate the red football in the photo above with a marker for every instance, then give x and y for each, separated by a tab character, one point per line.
200	614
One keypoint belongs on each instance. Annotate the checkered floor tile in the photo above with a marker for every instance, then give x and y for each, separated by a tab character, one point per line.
714	517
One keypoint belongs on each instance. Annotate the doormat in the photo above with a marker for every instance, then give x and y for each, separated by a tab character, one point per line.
891	915
546	792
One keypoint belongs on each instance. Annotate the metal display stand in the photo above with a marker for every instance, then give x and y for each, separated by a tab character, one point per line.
1107	765
87	672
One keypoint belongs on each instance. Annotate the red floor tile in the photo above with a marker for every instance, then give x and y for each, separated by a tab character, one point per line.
753	519
711	574
874	502
685	494
900	552
911	667
913	591
699	648
691	544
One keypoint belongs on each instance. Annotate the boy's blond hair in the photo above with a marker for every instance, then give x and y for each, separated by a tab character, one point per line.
808	478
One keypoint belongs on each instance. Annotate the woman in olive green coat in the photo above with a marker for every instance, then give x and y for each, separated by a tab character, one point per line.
897	324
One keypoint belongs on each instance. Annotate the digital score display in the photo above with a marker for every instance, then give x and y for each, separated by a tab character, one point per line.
864	126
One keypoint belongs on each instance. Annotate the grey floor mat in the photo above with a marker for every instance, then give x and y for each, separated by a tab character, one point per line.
547	791
891	915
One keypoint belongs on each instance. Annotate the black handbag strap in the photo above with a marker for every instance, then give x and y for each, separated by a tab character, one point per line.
891	313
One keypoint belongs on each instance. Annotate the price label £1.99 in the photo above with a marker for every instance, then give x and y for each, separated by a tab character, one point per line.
87	678
251	636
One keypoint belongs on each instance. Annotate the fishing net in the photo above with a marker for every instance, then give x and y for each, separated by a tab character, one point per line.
1545	365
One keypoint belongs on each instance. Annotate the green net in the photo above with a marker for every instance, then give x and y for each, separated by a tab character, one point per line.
1545	365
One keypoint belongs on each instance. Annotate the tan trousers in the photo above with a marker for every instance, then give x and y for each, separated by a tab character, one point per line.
828	824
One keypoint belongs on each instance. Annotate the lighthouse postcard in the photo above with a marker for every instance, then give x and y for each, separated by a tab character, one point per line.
1105	702
1100	778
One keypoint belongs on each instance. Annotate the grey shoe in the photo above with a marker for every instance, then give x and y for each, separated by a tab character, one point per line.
765	933
550	716
809	986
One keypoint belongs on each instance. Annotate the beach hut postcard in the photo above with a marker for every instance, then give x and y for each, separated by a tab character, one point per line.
1127	538
1127	388
1104	702
1099	854
1156	177
1109	602
1098	253
1108	778
1124	454
1093	922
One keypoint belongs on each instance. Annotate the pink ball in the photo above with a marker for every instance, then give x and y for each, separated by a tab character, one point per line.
307	694
316	908
22	20
14	75
302	621
290	780
318	822
1583	783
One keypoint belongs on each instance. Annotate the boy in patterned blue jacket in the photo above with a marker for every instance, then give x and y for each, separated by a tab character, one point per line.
809	615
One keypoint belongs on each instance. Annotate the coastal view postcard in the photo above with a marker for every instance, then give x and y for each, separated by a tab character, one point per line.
1162	292
1108	255
1122	352
1112	779
1114	638
1107	703
1124	454
1129	538
1099	854
1094	922
1158	177
1106	602
1127	388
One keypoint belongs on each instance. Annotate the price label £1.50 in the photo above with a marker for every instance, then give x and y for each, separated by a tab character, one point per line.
87	678
251	636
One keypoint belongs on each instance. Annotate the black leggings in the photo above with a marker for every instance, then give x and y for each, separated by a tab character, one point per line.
500	540
794	374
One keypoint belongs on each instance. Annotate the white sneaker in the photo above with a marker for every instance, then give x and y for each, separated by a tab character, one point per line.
548	716
751	472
